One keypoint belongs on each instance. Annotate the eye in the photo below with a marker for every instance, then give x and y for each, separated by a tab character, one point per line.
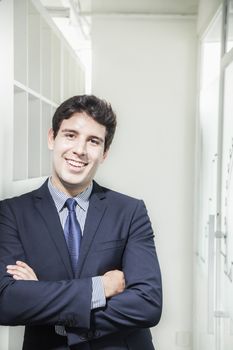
94	141
70	136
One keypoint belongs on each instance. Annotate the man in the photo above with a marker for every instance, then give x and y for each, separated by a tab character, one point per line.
78	264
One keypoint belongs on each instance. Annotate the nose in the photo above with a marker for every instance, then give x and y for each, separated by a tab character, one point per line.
80	148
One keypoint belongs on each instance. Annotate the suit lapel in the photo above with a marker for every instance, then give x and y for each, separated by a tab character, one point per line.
97	207
47	209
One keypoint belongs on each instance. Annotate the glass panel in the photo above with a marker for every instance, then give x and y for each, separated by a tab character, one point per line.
227	208
66	77
45	153
20	135
33	48
208	109
20	41
229	33
46	60
33	137
56	69
204	293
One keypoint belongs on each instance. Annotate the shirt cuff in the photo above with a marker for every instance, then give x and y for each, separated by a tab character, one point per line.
98	295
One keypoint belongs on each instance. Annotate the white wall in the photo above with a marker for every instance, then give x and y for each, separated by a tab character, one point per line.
146	67
206	11
6	107
6	100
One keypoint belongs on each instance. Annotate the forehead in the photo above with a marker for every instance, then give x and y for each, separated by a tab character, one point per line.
82	122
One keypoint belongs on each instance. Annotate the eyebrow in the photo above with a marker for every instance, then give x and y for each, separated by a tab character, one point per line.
76	133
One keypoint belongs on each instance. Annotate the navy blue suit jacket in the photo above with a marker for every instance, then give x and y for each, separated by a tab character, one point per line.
117	235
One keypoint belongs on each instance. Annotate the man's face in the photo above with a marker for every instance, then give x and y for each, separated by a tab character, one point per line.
78	150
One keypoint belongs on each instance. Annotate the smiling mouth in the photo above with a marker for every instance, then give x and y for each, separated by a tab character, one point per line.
76	163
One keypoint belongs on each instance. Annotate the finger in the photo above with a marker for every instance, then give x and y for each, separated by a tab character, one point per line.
27	267
11	266
12	270
18	268
24	265
18	273
22	273
26	270
18	278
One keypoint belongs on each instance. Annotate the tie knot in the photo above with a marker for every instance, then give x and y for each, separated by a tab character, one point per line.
71	204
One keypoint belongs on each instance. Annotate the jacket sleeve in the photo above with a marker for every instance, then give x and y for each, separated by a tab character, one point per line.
140	305
65	303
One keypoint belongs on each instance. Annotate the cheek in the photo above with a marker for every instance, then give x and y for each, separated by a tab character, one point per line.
97	157
61	148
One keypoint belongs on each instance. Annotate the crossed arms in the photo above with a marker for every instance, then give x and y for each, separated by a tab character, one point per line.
133	304
113	281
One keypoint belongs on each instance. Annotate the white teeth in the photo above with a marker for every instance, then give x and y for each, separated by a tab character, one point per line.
76	163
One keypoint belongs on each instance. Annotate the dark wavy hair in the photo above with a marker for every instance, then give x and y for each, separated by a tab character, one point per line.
96	108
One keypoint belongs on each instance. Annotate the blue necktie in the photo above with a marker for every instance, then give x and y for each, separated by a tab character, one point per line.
72	232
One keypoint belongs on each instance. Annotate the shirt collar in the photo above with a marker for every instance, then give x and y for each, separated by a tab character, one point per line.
61	197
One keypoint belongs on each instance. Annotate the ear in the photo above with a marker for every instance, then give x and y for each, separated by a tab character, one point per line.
50	139
104	156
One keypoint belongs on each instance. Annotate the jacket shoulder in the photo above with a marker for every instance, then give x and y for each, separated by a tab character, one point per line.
121	199
25	197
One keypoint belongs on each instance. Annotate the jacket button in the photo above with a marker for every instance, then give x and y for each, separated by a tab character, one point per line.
90	334
83	337
97	334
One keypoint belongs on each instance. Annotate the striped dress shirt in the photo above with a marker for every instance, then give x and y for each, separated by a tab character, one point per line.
98	296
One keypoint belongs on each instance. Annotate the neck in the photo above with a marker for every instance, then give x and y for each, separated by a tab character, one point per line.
67	188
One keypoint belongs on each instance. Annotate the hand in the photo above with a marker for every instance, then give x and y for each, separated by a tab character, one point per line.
114	283
21	271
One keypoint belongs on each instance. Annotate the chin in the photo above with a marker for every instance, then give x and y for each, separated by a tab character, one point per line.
75	183
70	183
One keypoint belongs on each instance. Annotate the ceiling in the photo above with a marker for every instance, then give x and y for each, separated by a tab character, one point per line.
92	7
145	6
73	17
